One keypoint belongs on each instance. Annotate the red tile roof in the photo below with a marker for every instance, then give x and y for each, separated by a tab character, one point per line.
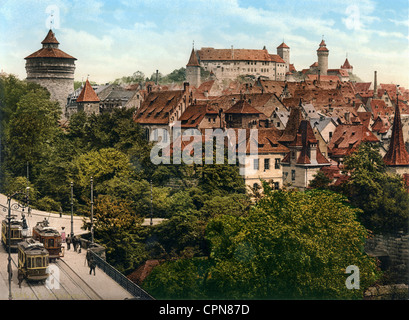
291	129
397	154
50	52
211	54
347	137
193	62
283	45
50	38
88	94
346	65
242	107
194	114
157	107
381	125
305	138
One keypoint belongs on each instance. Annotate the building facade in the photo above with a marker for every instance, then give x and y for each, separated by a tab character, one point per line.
232	63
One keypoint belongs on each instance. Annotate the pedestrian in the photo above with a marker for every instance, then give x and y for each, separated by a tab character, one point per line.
68	241
92	265
79	245
75	243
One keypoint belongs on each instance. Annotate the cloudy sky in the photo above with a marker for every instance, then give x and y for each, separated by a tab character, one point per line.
111	38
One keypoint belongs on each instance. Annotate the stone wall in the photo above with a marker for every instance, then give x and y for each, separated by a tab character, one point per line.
392	251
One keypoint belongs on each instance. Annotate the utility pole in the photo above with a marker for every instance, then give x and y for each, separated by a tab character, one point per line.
92	210
151	205
72	210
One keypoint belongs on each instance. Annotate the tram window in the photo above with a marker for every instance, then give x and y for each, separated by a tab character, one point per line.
50	243
38	262
28	262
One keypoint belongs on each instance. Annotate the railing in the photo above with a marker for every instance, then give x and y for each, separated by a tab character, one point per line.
123	281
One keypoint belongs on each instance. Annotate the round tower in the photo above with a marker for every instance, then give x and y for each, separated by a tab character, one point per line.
53	69
193	70
284	52
322	53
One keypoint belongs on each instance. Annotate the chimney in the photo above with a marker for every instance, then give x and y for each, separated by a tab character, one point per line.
375	86
186	86
313	153
157	74
319	76
232	53
347	117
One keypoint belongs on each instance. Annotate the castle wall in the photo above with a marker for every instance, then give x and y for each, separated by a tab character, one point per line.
59	89
233	69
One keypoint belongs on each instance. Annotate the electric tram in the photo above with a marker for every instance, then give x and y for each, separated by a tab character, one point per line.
33	261
50	238
16	232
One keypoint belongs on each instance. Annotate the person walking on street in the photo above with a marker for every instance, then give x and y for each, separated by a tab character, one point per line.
68	241
92	265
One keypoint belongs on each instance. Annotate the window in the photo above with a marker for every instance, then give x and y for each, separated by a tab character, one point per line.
277	163
293	175
266	164
256	164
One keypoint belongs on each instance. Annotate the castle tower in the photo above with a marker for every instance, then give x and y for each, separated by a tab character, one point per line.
347	66
88	100
193	70
397	158
284	52
322	53
53	69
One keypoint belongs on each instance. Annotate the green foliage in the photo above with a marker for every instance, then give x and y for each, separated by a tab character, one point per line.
180	279
381	195
320	181
291	245
48	204
117	229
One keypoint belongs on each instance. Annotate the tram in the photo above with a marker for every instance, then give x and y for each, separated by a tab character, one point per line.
16	232
50	237
33	261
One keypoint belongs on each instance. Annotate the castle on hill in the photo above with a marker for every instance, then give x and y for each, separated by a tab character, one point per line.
229	64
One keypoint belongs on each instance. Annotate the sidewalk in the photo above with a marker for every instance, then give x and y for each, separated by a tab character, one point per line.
101	283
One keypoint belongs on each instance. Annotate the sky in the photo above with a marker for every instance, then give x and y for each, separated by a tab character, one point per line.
112	39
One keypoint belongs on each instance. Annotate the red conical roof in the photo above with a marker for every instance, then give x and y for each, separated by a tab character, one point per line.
346	65
193	62
283	45
87	94
397	154
50	38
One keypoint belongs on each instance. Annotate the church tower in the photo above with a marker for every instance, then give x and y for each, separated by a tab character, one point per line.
193	70
397	158
53	69
322	54
284	52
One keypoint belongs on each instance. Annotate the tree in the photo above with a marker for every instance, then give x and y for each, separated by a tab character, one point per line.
381	195
29	131
291	245
118	230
